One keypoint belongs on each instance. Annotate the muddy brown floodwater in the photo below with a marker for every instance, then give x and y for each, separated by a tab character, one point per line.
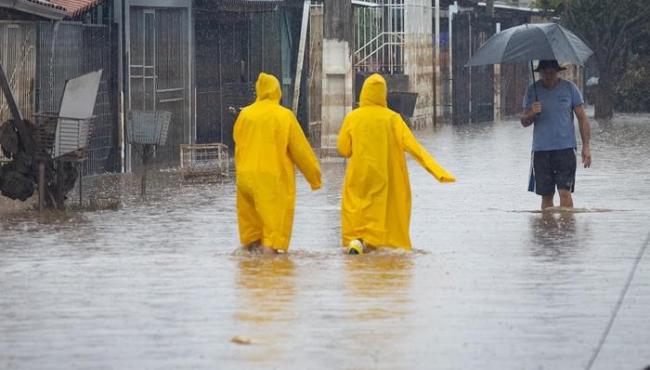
492	283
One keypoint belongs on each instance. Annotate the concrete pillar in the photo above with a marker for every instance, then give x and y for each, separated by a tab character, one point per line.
497	84
419	59
338	94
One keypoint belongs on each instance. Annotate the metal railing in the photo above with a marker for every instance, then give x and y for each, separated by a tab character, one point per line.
379	35
384	53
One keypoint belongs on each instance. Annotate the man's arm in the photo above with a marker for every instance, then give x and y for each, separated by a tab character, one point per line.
528	117
585	134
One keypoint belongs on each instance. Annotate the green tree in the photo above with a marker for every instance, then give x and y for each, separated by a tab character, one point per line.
632	90
549	6
612	28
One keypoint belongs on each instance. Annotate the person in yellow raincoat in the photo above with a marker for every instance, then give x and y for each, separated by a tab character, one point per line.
269	143
376	204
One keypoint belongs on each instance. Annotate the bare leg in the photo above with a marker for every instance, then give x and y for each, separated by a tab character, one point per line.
547	201
566	201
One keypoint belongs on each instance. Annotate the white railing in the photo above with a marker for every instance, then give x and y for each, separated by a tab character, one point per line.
385	53
380	37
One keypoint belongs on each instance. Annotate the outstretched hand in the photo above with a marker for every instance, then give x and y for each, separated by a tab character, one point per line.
447	178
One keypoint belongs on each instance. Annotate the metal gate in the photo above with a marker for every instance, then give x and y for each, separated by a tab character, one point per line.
231	50
473	88
159	73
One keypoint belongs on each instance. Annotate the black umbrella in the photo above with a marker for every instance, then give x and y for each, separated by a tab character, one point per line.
528	42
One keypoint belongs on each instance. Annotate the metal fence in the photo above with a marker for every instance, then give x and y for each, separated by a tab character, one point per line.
67	50
473	88
231	50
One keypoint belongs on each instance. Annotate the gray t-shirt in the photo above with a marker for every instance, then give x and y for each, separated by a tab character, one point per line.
554	128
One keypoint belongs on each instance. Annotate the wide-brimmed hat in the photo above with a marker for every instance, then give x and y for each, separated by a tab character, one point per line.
549	64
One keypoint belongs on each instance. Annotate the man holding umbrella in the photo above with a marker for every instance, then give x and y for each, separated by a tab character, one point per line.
549	106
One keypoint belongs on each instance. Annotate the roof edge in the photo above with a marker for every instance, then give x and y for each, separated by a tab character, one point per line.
53	12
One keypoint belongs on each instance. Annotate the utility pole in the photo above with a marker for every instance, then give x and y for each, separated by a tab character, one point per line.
437	99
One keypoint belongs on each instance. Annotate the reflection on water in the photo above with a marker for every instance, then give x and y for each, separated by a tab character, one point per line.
154	284
380	282
266	291
266	288
378	294
379	273
554	234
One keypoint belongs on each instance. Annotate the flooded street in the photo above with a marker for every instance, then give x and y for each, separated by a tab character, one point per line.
492	282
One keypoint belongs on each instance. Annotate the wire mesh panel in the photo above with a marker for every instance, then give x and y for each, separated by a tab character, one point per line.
204	161
67	50
147	127
45	131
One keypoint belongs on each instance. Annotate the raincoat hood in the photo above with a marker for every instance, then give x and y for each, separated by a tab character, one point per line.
374	91
268	88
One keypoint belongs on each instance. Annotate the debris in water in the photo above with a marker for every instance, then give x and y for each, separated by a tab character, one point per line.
241	340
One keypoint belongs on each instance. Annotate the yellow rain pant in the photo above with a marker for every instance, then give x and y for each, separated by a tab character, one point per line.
376	204
269	143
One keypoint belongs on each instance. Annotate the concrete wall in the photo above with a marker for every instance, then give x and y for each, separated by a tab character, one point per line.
418	58
337	91
337	71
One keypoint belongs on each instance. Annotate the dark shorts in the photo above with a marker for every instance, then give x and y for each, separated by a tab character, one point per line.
554	168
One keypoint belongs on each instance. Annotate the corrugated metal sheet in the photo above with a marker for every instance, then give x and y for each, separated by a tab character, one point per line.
241	5
74	7
50	4
40	8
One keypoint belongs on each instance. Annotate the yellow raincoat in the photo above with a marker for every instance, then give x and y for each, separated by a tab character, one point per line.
268	144
376	204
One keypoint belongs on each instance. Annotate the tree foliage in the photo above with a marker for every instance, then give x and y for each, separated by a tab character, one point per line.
618	31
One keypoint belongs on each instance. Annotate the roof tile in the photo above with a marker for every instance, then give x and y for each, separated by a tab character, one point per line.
75	7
